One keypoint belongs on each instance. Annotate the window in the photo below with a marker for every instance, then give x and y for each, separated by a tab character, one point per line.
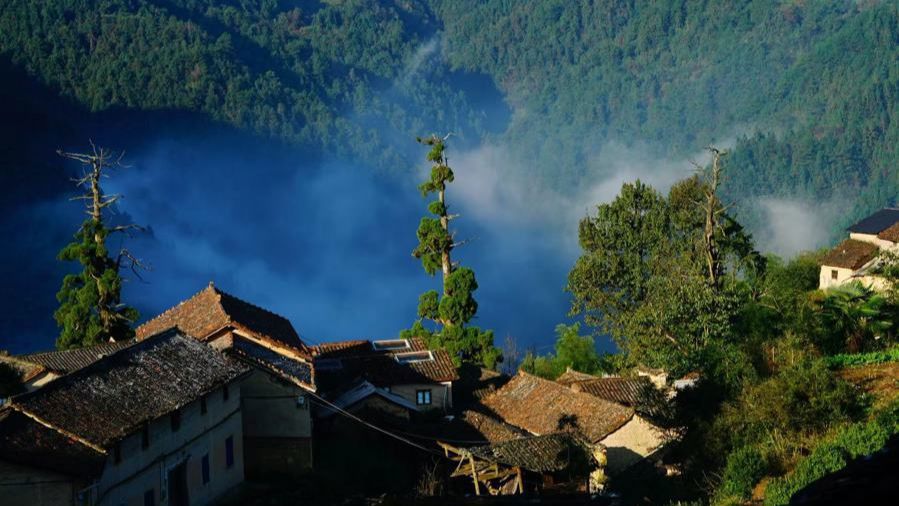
149	498
413	356
145	437
205	467
175	419
229	452
423	397
834	274
225	392
117	453
390	344
203	405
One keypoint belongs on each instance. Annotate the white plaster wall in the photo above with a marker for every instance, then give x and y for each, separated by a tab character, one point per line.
634	441
199	434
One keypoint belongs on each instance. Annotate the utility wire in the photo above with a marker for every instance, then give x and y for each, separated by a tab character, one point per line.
375	427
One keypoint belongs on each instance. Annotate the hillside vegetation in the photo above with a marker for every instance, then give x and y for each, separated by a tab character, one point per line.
807	90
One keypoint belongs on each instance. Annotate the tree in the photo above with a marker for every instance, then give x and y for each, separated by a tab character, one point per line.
91	310
855	316
665	276
455	307
572	351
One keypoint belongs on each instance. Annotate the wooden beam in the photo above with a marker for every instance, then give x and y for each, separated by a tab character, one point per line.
474	476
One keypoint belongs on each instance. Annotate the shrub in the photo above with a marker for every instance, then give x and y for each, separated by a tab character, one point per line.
844	360
745	467
851	442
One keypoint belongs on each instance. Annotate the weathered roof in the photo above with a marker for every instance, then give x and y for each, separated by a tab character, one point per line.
489	428
211	309
891	233
114	396
363	391
571	376
27	442
877	222
850	254
66	361
359	360
542	407
547	453
627	391
294	368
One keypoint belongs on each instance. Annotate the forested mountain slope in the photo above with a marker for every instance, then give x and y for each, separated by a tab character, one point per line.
808	91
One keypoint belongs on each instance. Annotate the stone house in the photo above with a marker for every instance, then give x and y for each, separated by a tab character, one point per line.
856	258
400	372
158	422
541	406
275	398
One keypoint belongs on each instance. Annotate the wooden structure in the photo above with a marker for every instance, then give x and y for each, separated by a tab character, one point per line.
493	477
503	468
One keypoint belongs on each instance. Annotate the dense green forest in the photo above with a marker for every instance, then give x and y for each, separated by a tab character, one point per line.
807	91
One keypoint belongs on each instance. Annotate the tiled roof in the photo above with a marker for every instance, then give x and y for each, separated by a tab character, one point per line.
890	234
488	428
547	453
877	222
542	407
571	376
114	396
27	442
292	368
66	361
359	360
211	310
850	254
627	391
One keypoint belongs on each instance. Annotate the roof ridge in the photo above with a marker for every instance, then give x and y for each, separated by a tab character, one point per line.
172	309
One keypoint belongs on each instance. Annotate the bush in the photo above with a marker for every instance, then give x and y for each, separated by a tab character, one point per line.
851	442
745	467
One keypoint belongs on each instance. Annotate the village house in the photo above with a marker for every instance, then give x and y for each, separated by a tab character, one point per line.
157	422
856	258
399	376
38	369
275	398
541	406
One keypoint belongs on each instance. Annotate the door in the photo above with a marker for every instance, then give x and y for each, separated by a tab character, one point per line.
178	495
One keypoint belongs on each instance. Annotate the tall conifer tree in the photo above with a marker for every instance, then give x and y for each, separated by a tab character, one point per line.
90	307
455	307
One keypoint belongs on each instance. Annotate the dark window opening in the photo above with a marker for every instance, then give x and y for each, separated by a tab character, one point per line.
205	467
834	274
225	392
229	452
145	437
176	420
423	397
203	405
149	498
117	453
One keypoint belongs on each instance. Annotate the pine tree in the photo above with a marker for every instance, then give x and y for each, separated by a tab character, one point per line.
455	307
90	307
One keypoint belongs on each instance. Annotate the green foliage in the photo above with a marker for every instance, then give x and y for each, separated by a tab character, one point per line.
844	360
90	307
850	442
855	317
573	351
805	397
643	279
744	468
456	306
681	74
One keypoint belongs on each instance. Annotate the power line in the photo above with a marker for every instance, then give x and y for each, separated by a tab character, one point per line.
375	427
